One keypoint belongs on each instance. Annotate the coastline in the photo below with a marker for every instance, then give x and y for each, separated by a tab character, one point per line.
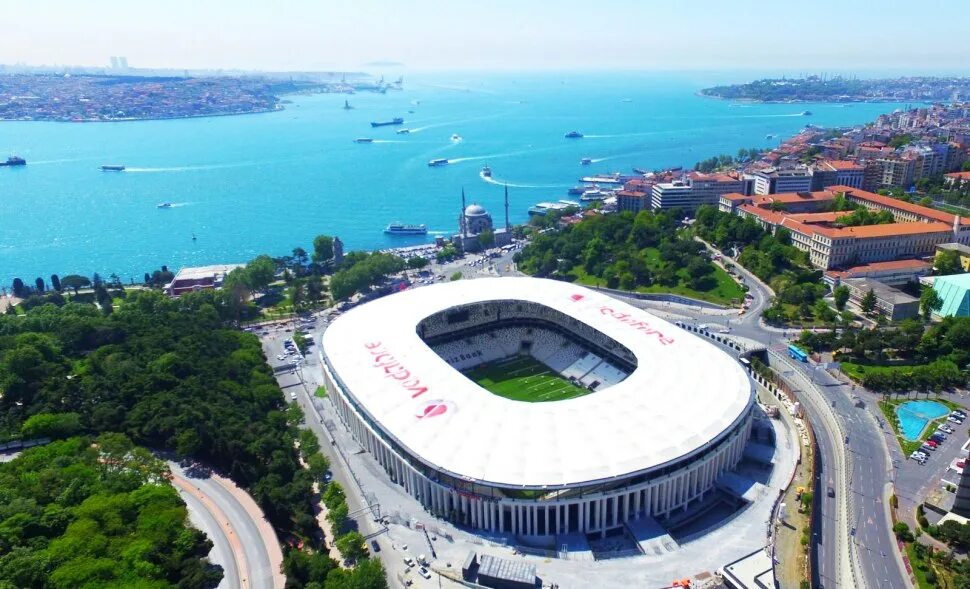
279	108
853	100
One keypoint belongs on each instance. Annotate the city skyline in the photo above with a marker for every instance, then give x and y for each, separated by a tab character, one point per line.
432	35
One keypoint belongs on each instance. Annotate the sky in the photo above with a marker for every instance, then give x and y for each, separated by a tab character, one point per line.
790	36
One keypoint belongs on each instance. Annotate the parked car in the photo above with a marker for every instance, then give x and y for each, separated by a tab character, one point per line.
424	573
955	420
931	443
375	546
830	492
408	561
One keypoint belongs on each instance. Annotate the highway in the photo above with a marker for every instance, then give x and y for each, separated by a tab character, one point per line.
873	545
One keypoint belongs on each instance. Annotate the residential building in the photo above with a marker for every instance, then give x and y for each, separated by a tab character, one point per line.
694	190
893	272
632	200
779	180
837	172
897	171
894	304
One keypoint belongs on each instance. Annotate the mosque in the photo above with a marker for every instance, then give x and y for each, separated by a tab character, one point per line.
474	221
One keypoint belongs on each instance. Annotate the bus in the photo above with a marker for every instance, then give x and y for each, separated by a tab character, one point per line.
796	353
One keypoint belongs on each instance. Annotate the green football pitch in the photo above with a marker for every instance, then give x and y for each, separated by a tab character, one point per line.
523	378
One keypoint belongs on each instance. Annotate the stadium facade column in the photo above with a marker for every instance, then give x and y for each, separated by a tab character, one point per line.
601	518
535	520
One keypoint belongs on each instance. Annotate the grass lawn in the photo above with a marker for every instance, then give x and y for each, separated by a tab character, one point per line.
857	371
523	378
726	291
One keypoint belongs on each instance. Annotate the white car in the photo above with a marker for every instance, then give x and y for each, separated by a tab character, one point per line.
424	573
953	419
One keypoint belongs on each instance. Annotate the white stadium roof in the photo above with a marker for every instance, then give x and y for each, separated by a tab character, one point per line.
684	393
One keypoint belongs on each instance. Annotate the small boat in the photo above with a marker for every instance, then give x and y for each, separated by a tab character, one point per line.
164	205
438	162
806	113
14	160
769	136
394	121
403	131
573	135
363	140
486	172
640	171
585	161
455	138
112	168
402	229
194	237
347	105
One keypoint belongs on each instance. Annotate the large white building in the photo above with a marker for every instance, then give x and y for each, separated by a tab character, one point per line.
693	190
665	413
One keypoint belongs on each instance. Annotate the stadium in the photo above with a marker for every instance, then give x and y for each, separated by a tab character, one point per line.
535	407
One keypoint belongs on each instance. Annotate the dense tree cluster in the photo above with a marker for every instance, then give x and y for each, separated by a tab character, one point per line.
930	358
359	271
96	513
623	251
169	374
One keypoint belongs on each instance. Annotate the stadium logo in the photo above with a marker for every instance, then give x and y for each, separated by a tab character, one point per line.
577	297
434	409
394	370
641	326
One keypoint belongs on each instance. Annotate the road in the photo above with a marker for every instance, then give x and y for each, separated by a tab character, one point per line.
245	544
871	469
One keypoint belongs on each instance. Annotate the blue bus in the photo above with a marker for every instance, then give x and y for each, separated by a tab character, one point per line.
797	353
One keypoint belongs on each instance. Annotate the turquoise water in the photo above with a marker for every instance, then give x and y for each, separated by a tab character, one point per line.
914	415
266	183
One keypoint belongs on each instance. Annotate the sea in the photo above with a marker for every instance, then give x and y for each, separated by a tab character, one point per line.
245	185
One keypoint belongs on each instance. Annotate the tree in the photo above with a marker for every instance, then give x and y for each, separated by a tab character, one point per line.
351	546
929	301
19	290
260	272
75	282
52	425
39	283
486	239
841	296
318	465
97	281
417	262
322	249
947	262
55	282
868	302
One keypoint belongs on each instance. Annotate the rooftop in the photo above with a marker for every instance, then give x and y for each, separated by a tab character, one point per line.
882	291
203	272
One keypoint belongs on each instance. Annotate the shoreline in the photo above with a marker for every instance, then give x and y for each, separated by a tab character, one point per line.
141	119
854	100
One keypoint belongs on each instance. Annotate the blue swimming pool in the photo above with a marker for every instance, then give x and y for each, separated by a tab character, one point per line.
914	415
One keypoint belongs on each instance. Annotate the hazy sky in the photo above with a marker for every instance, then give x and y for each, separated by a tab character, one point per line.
493	34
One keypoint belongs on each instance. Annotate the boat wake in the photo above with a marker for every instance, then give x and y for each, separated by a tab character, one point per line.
499	182
188	168
388	141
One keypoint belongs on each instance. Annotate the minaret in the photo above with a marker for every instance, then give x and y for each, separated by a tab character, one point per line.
508	228
961	503
956	226
461	218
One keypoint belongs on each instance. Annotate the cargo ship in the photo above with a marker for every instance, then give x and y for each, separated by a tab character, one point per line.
573	135
402	229
14	160
112	168
394	121
438	162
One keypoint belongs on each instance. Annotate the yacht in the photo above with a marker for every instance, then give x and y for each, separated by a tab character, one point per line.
486	172
112	168
403	229
441	161
585	161
602	179
403	131
363	140
164	205
806	113
573	135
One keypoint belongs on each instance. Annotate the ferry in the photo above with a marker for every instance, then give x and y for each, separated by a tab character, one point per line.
585	161
573	135
595	194
112	168
394	121
610	179
14	160
403	131
438	162
347	105
363	140
164	205
486	172
576	190
402	229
